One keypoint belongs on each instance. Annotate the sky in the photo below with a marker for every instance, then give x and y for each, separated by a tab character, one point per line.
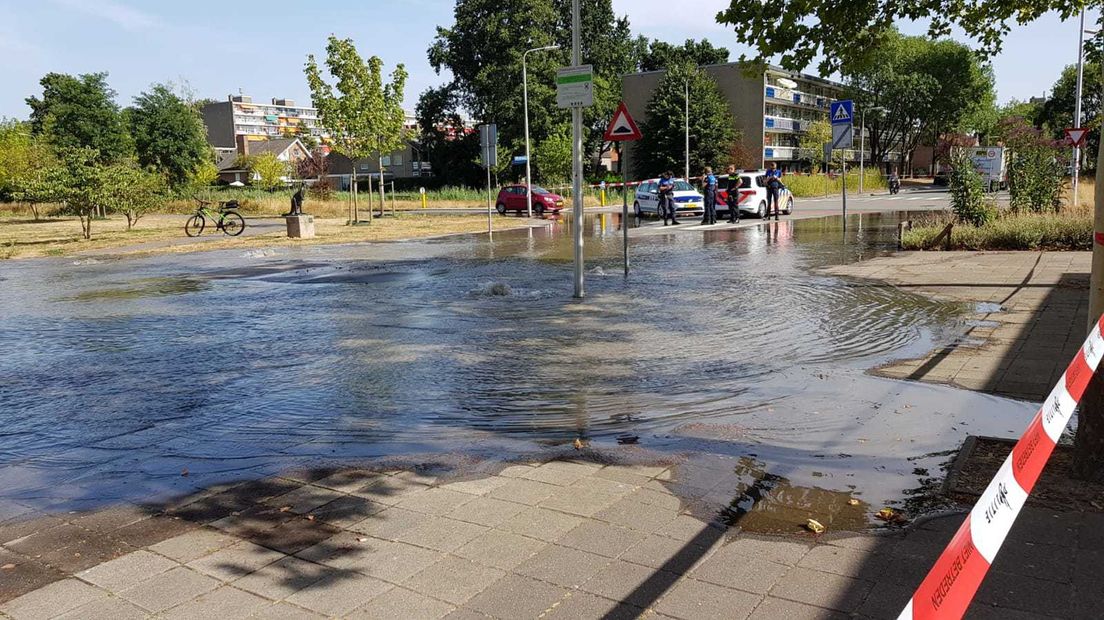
220	48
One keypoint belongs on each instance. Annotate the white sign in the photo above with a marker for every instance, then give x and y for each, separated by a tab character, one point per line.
842	136
575	87
488	141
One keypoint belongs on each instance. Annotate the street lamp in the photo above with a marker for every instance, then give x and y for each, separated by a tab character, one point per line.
525	96
862	143
1077	107
686	86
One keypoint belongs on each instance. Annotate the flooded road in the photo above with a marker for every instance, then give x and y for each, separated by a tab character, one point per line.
723	349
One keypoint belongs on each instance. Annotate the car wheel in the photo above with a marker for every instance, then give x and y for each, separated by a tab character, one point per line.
539	210
636	210
789	206
762	212
501	208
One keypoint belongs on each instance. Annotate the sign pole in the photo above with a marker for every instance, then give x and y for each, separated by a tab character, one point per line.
577	157
843	164
625	208
1077	107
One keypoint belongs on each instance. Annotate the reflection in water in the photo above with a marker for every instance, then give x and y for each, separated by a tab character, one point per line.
249	364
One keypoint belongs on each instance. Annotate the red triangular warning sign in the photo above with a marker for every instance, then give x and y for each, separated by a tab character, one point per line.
1076	135
622	127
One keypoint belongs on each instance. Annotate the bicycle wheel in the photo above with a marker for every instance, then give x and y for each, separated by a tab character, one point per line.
233	223
195	225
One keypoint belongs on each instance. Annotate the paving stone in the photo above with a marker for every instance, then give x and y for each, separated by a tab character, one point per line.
294	536
547	525
693	600
523	491
212	508
402	603
886	600
777	550
305	499
387	560
435	501
579	604
621	473
390	524
486	511
169	589
737	570
584	502
1035	525
629	513
982	611
442	534
285	611
347	511
667	553
661	499
152	531
338	595
601	538
465	614
560	474
389	491
103	521
1092	531
349	481
55	538
633	584
454	580
283	578
822	589
264	489
563	566
515	596
1026	594
478	486
420	477
500	549
685	528
1035	560
846	562
26	575
128	570
52	600
235	561
194	544
86	553
604	485
109	608
774	608
225	603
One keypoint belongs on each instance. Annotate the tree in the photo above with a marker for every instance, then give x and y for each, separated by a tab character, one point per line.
80	112
452	149
712	126
363	115
1035	174
659	55
83	186
925	89
24	162
841	32
552	156
968	200
1057	113
267	171
204	175
168	134
813	140
133	190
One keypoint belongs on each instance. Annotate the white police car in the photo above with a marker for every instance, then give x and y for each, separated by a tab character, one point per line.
688	201
751	197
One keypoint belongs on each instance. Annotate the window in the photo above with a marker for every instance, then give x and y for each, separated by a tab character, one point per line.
386	160
396	160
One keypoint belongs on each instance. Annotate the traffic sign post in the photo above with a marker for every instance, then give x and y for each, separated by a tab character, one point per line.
488	142
1076	136
842	114
622	128
575	87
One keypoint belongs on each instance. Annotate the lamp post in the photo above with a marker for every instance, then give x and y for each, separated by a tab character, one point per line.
525	97
862	144
686	110
1077	106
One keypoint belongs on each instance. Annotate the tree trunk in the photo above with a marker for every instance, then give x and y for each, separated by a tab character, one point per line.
356	209
382	200
34	210
1088	445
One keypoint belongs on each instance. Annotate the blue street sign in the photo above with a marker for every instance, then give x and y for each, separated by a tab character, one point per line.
842	112
518	160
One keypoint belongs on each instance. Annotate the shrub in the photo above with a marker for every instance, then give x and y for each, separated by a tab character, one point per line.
1013	231
968	199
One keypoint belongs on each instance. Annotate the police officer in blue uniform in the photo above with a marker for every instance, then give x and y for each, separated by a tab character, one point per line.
774	189
667	198
709	186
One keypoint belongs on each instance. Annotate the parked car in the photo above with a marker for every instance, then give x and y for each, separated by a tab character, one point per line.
753	195
512	198
688	201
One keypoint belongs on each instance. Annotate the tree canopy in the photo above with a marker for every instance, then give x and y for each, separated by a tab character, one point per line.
658	55
712	126
168	134
80	112
1057	112
842	32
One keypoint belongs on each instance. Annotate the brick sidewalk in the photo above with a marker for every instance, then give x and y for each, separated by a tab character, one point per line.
560	540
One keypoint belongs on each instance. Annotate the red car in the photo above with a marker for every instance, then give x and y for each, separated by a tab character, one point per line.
512	198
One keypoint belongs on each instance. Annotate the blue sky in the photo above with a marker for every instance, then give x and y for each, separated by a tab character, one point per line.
219	47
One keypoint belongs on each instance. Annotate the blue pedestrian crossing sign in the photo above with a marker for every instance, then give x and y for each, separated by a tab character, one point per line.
842	112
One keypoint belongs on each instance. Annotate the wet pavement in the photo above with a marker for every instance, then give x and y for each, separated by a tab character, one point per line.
134	380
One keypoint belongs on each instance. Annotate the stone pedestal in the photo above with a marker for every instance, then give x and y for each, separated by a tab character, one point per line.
300	226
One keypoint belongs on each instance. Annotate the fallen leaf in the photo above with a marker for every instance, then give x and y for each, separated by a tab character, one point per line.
814	526
362	539
310	517
579	445
285	508
853	502
7	567
184	472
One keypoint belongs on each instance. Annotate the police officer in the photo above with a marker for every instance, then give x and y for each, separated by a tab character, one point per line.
667	198
774	188
709	185
733	197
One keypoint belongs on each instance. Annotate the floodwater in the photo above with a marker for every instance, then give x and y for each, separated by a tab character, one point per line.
724	350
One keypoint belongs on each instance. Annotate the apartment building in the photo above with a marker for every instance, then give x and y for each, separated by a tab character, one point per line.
232	122
772	109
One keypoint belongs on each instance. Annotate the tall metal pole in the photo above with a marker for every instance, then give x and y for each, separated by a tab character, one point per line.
577	157
525	98
625	207
843	166
862	149
686	84
1077	106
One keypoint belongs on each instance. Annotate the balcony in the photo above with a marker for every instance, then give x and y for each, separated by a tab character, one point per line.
796	97
779	123
793	153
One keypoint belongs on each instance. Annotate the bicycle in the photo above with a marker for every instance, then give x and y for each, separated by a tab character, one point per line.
227	219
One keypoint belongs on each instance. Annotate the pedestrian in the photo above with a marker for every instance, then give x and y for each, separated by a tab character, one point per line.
774	189
733	195
709	185
667	198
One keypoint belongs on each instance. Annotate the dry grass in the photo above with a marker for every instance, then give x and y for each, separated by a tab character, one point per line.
164	234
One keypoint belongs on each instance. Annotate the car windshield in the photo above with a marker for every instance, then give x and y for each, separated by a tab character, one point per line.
539	190
745	182
683	186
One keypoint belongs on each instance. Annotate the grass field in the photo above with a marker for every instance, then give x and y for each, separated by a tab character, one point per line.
163	234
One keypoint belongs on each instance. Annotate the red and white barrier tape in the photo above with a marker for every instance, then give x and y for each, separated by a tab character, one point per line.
954	579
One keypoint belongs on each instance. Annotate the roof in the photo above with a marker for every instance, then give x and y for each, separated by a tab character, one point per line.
226	161
276	146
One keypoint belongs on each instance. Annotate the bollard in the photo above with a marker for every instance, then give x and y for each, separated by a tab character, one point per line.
423	192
